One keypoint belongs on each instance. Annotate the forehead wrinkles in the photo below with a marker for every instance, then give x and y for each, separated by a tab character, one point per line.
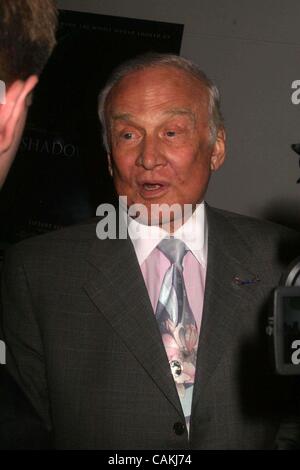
145	91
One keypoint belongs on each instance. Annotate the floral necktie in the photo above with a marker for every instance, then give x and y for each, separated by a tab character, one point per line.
177	324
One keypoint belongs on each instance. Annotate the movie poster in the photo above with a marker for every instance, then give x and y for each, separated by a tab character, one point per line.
60	174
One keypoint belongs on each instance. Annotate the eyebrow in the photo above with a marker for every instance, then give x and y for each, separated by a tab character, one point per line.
168	112
181	112
122	116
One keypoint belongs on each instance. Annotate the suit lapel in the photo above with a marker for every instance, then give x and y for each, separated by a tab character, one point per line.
117	289
228	256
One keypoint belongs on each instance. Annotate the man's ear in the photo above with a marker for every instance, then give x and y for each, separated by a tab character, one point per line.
110	166
219	151
16	104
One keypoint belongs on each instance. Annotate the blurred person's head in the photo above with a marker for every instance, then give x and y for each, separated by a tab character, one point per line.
27	38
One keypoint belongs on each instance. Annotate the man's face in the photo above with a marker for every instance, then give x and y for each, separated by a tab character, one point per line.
161	152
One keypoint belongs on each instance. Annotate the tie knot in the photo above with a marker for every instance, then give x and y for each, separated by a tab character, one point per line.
173	249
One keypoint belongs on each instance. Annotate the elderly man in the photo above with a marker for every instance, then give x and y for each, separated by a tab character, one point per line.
27	37
154	340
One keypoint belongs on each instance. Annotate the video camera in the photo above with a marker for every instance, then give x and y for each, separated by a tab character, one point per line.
284	324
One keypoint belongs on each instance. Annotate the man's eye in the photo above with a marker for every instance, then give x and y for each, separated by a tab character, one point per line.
170	133
128	135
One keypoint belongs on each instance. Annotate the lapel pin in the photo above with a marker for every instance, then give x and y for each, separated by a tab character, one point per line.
244	282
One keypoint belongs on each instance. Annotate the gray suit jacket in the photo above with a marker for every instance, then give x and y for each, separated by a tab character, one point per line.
84	345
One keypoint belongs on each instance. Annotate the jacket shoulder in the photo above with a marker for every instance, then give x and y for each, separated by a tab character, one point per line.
255	225
266	240
62	243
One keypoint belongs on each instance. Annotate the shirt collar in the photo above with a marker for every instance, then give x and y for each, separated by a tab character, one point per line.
193	233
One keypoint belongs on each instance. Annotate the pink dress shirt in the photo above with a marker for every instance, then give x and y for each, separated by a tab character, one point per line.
154	263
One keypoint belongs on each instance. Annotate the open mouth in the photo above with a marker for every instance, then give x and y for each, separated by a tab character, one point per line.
152	186
150	189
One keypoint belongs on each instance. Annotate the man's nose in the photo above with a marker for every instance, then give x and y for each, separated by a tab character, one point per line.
151	153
